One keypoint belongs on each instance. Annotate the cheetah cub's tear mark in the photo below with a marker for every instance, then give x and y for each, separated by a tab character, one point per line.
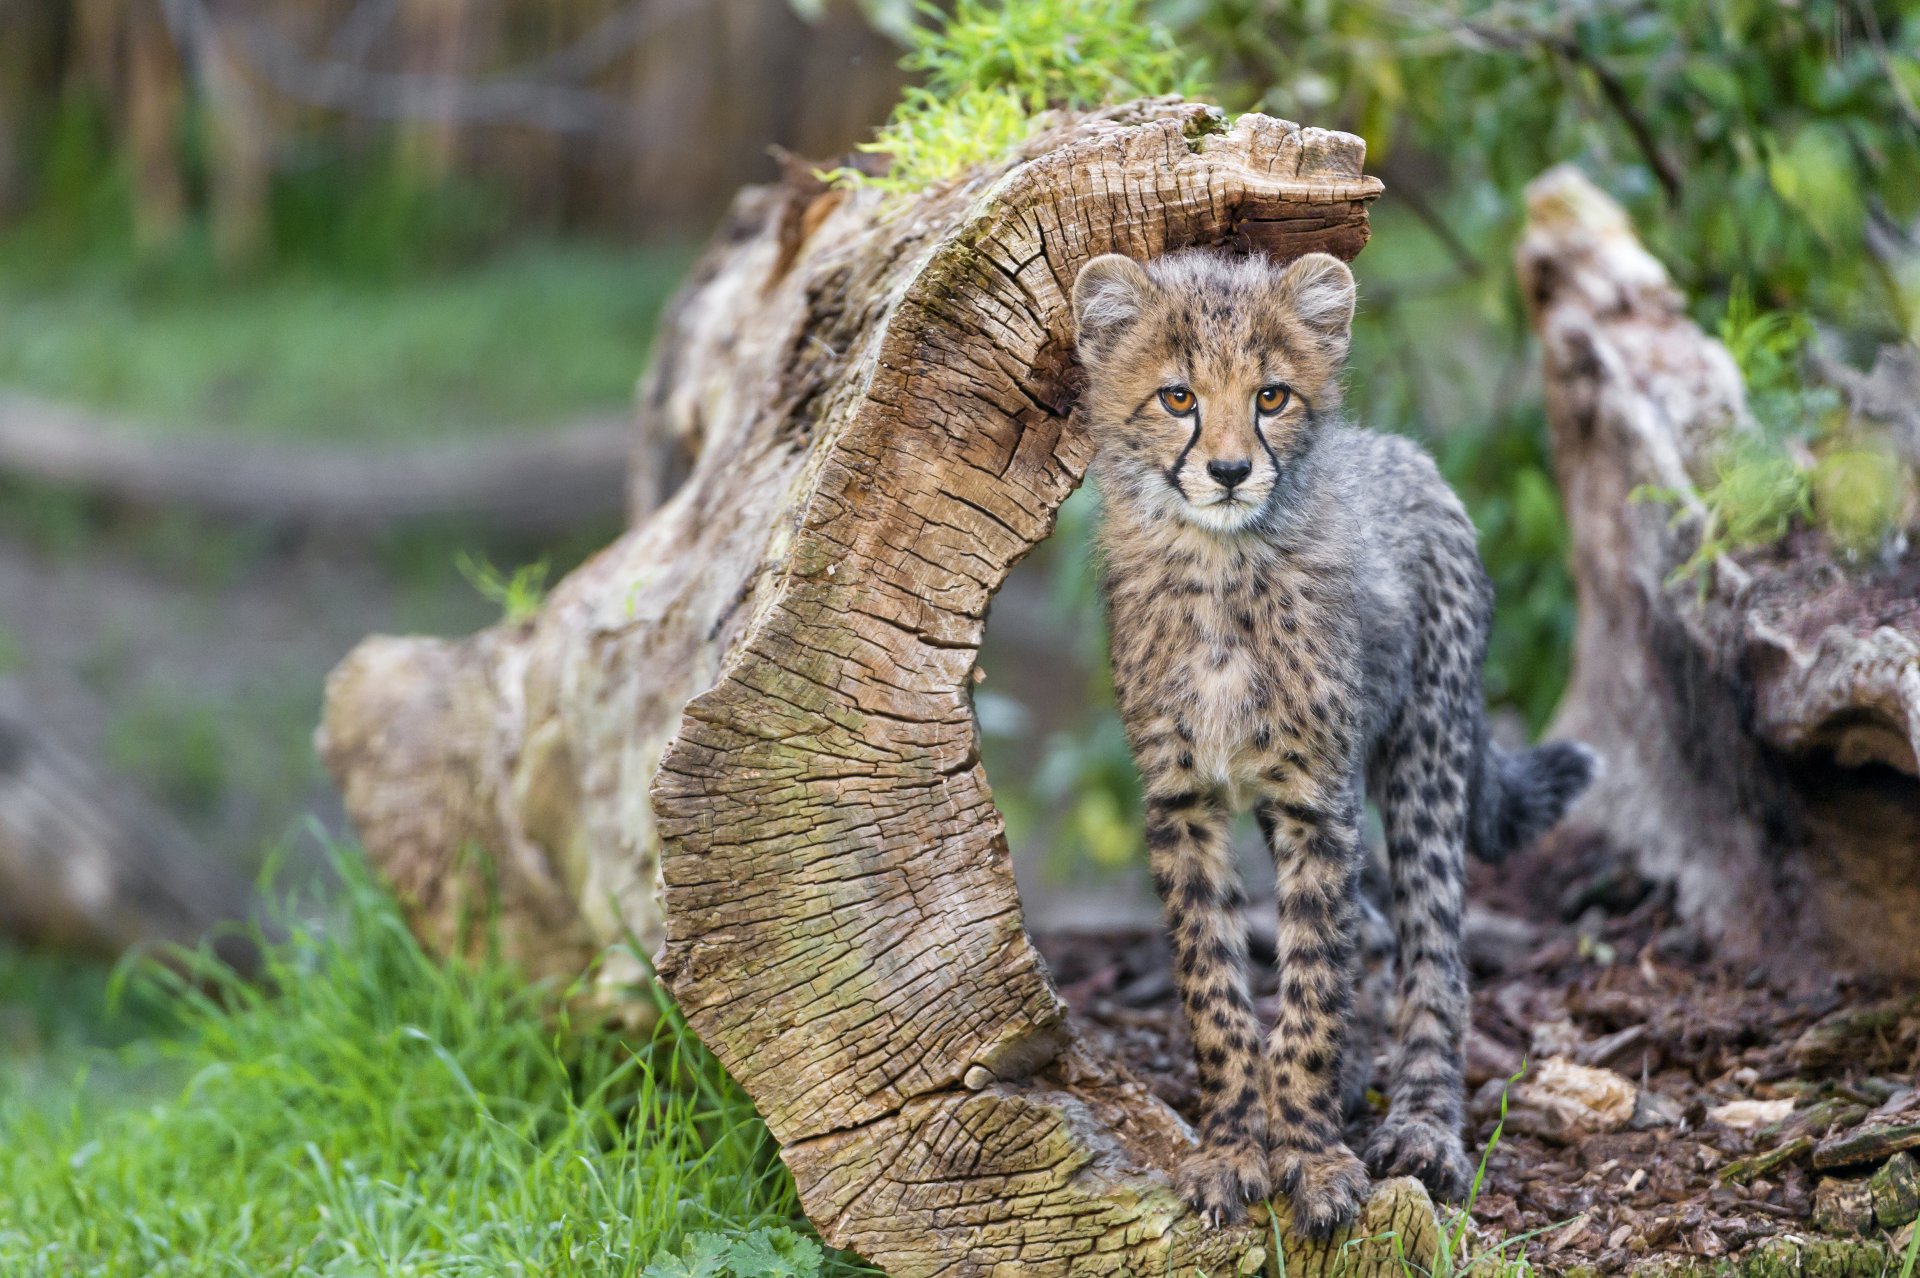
1299	618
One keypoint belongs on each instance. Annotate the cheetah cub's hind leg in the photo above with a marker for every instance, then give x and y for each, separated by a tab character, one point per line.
1426	795
1317	864
1369	1021
1192	864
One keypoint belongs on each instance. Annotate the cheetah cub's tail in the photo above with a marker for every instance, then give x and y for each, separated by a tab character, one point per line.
1522	793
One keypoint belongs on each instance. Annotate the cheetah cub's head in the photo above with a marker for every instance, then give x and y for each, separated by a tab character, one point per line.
1208	376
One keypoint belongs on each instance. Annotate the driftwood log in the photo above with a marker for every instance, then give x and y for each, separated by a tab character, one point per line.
1761	724
760	698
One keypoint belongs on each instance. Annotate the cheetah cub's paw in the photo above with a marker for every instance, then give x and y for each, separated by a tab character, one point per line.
1422	1149
1221	1177
1327	1186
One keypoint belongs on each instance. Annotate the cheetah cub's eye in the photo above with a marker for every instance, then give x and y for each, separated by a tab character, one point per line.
1272	399
1177	400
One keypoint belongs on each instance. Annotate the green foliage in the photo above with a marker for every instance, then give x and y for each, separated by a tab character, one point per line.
206	760
52	520
1050	53
517	596
1756	495
759	1253
1087	776
1854	489
1751	139
929	139
56	1009
368	1109
85	204
1769	347
990	68
380	218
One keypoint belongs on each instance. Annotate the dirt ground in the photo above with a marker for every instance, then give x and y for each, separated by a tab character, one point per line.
1607	980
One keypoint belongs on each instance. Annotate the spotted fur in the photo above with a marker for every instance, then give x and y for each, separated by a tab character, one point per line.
1299	617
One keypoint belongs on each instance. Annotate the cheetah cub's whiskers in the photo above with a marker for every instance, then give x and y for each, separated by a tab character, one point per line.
1299	618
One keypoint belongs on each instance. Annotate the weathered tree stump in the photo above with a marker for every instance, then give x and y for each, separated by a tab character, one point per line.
876	394
1760	725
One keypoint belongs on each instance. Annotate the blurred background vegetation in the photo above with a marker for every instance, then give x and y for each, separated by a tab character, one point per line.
368	221
365	224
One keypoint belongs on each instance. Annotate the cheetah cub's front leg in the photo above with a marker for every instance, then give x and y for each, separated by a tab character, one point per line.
1193	871
1317	859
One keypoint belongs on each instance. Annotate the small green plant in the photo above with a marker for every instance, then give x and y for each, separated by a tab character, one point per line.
1757	494
1456	1257
518	595
1767	345
992	67
766	1252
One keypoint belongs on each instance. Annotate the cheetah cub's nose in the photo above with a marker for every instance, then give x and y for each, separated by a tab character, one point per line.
1229	473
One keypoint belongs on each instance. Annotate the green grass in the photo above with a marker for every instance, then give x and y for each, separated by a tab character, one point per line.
536	334
376	1113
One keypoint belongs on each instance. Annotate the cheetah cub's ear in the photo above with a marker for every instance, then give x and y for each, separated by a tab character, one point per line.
1108	296
1318	290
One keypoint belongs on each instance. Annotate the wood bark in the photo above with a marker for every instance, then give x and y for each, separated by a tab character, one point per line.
1760	724
877	396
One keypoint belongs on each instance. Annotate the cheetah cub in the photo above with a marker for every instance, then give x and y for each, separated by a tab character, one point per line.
1299	617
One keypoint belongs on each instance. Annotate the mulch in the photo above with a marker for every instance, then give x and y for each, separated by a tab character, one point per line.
1607	977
